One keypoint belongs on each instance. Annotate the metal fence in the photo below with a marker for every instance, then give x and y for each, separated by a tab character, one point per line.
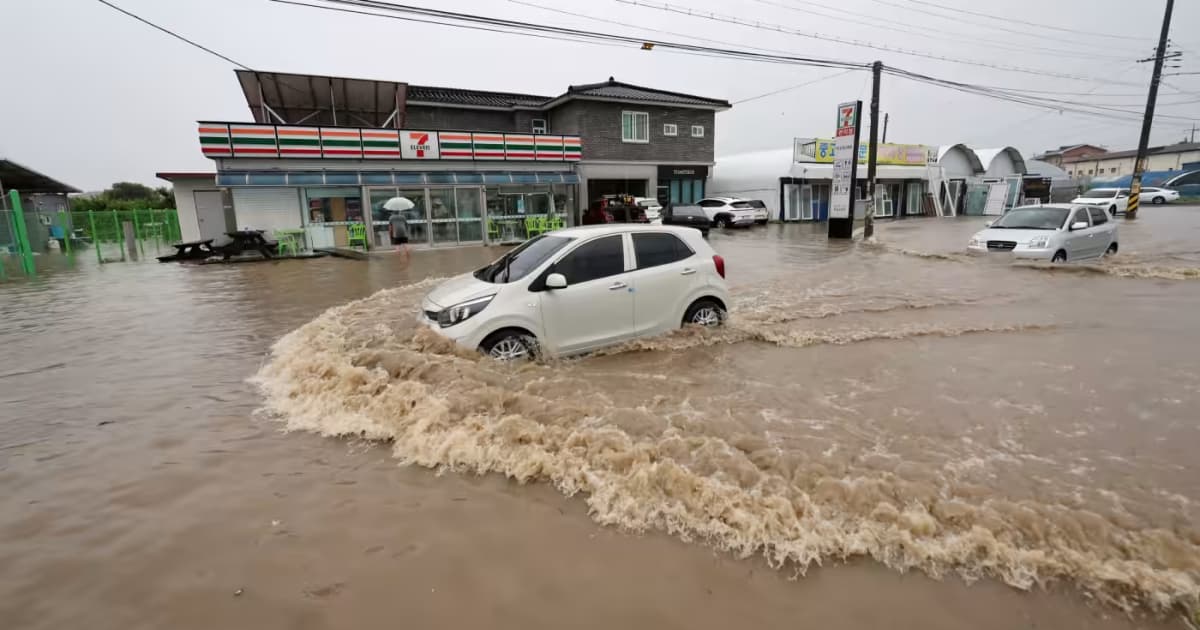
23	233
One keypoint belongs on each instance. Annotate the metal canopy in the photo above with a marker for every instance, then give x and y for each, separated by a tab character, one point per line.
303	99
13	176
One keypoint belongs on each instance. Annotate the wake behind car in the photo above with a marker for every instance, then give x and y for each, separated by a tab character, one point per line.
1112	200
580	289
1054	232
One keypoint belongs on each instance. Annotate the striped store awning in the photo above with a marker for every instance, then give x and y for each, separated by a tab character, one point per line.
390	178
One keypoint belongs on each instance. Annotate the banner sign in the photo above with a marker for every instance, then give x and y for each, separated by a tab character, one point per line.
841	202
822	151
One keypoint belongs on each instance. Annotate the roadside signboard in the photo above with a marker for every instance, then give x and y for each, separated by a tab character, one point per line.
841	202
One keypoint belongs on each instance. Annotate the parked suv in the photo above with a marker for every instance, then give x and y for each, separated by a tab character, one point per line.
728	211
580	289
761	214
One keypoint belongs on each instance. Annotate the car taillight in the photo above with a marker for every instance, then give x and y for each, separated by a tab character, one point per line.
720	263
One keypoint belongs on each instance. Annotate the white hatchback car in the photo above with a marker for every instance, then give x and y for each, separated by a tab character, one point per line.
580	289
1055	232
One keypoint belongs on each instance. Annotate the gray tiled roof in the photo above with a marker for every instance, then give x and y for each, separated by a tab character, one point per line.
626	91
454	96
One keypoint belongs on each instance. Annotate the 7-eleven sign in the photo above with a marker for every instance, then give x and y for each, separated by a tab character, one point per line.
419	145
847	119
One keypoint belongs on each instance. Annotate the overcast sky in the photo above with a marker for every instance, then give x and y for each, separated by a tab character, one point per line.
92	96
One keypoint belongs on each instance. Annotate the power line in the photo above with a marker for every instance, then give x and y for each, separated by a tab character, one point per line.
477	22
1016	21
173	34
716	17
790	87
892	25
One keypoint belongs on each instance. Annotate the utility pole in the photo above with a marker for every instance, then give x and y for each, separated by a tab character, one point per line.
883	140
872	151
1139	165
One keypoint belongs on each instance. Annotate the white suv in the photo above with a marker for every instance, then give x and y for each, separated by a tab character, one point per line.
580	289
1113	200
728	211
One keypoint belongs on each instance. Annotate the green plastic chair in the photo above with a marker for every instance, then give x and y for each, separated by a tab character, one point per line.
287	243
358	235
493	231
556	223
533	227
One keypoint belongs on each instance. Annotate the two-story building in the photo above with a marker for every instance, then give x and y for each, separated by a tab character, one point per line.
330	155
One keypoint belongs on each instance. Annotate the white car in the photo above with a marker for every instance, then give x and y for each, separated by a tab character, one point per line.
1160	195
1055	232
761	214
579	289
651	207
1113	200
728	211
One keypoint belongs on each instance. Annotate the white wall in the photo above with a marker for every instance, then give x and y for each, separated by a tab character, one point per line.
185	203
956	165
1001	166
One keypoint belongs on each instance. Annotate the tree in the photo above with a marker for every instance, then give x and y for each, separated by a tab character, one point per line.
127	196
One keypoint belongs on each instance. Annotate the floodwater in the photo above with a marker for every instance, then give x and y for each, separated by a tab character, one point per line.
885	435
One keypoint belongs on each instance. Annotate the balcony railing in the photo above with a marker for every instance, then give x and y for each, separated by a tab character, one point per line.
238	140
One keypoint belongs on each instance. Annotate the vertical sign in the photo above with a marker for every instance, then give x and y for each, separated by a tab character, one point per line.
844	162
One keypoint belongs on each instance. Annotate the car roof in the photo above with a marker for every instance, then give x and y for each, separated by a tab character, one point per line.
584	231
1063	206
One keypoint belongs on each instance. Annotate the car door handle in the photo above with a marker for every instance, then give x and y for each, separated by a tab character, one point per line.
617	286
687	272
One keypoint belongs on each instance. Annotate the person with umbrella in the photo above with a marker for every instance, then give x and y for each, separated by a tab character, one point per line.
398	223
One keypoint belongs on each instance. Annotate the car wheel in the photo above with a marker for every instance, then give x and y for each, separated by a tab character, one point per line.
1112	210
1112	250
510	346
722	222
1158	200
705	313
1059	256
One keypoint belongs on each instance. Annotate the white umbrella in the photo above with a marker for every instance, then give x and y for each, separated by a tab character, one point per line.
398	204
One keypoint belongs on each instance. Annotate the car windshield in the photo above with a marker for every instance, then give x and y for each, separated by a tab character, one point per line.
521	261
1099	193
1033	219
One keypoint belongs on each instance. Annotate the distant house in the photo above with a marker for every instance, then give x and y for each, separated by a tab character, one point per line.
1114	164
1069	152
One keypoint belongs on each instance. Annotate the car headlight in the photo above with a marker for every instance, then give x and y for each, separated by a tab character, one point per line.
1039	242
462	311
975	242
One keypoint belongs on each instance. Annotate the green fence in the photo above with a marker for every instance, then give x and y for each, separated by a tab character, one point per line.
154	230
102	229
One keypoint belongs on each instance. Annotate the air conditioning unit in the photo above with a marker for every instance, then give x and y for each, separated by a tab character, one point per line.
539	125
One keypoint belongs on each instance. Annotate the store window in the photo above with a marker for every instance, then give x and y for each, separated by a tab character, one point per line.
516	213
635	127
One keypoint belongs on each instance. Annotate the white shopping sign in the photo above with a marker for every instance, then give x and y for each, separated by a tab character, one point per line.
841	202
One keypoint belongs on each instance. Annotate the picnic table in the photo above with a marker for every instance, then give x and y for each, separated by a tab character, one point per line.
246	240
191	250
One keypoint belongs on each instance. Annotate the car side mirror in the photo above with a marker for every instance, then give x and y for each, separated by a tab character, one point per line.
1079	225
556	281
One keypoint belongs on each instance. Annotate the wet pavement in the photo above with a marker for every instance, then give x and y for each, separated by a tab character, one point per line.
872	417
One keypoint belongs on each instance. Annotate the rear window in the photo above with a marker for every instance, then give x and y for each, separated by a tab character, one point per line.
659	249
742	205
756	203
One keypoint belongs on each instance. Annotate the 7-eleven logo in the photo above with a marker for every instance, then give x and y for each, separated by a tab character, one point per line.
420	142
846	117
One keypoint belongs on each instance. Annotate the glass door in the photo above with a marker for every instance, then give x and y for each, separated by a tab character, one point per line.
386	203
442	219
913	207
806	203
469	205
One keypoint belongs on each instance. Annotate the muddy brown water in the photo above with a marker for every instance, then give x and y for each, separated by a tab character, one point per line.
892	434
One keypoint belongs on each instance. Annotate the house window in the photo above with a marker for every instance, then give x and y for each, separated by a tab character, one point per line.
539	125
1112	170
670	130
635	127
1089	171
697	131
